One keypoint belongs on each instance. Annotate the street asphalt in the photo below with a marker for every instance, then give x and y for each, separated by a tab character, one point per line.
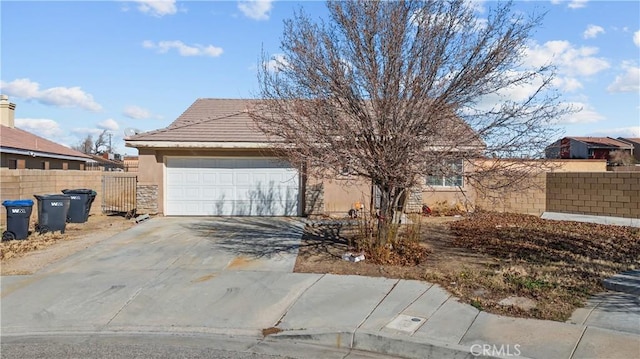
228	279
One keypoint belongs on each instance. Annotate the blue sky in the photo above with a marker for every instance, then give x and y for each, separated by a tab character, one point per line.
77	67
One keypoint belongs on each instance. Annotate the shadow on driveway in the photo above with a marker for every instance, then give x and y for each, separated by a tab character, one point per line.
258	237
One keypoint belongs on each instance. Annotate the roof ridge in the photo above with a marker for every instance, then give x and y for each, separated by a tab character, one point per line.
169	128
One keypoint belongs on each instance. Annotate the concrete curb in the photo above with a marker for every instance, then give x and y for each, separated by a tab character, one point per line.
376	342
618	221
625	282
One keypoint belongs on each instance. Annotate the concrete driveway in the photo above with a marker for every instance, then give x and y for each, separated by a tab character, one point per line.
160	273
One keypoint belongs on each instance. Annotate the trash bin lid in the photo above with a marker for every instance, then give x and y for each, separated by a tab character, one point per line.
18	203
78	191
51	196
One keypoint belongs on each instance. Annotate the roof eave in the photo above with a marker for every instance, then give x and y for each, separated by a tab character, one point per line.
31	153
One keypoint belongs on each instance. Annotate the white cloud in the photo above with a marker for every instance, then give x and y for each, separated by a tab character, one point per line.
476	5
586	114
46	128
572	4
109	125
628	132
577	4
277	63
567	84
157	8
54	96
68	97
183	49
629	81
256	9
572	62
636	38
137	113
592	31
23	88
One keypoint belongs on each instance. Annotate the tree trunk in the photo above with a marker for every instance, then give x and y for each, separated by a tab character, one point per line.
389	199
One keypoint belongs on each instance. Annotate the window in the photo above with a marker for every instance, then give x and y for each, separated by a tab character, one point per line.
449	174
13	164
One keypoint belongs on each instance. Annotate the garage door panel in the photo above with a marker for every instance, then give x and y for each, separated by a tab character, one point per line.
225	186
243	178
225	178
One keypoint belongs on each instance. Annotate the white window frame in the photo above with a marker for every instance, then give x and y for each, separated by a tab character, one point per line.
442	180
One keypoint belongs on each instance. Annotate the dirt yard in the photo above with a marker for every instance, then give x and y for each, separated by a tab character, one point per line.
545	269
23	257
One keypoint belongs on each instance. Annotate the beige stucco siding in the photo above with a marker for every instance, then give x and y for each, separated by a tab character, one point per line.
341	194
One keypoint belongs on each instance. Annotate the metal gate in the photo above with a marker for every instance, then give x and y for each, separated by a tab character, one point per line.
119	194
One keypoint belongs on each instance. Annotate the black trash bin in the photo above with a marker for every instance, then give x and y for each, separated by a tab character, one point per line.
81	200
18	216
52	212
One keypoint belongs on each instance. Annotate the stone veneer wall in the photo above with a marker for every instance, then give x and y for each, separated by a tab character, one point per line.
615	194
314	199
413	203
147	199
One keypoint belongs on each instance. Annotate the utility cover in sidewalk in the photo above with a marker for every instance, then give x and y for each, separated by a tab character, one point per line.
406	323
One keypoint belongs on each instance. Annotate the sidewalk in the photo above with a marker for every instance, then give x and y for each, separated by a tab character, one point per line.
417	320
397	317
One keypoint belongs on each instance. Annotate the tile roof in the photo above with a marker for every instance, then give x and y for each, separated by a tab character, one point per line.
22	140
630	139
602	142
209	120
227	120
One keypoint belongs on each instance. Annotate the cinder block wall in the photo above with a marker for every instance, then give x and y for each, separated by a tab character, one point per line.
23	184
615	194
529	200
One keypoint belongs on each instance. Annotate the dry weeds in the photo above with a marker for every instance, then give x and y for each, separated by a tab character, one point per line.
486	257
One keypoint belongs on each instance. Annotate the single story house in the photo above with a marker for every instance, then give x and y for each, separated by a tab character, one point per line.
213	160
105	162
20	149
586	148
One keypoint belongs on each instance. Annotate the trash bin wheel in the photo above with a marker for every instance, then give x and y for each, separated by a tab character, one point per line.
8	236
42	229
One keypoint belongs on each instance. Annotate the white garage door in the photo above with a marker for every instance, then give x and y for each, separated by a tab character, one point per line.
230	187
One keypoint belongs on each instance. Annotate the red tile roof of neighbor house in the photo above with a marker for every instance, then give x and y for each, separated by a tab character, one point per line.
209	120
603	142
23	140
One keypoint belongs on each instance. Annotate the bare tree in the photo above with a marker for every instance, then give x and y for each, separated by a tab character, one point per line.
397	90
101	141
91	147
621	158
85	146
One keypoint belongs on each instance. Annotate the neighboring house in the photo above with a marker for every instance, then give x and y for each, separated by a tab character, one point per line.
636	146
213	160
586	148
130	163
20	149
105	162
